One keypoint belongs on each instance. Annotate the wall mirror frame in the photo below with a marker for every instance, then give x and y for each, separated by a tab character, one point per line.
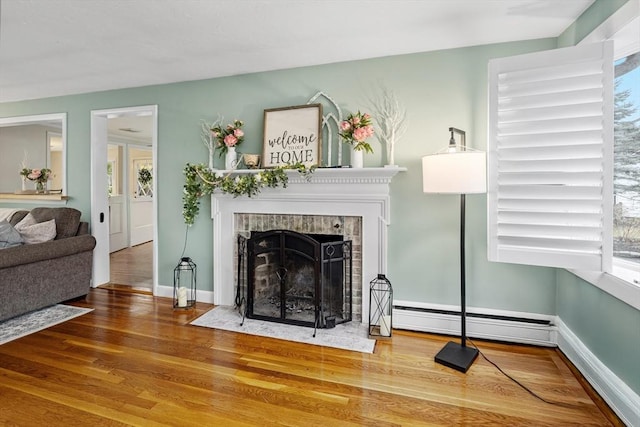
35	141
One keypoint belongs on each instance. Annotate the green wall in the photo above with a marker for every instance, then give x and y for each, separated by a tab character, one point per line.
439	90
607	326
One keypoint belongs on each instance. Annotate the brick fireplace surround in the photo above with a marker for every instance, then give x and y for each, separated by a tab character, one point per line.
331	195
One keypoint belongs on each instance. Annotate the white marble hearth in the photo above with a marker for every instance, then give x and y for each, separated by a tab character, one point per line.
329	192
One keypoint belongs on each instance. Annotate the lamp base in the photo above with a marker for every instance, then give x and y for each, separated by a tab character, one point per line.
456	356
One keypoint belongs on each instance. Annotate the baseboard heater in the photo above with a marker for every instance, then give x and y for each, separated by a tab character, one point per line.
478	315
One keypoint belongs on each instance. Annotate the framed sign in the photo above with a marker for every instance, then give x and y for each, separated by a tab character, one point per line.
292	135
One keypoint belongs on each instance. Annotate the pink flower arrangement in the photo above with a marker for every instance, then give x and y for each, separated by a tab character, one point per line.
231	136
37	175
356	129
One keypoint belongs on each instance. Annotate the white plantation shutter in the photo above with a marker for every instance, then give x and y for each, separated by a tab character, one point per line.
550	158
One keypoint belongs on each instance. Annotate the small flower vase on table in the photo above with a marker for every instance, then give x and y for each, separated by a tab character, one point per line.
355	130
41	187
227	139
230	158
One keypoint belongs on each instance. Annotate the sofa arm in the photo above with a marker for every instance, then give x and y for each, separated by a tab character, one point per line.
27	254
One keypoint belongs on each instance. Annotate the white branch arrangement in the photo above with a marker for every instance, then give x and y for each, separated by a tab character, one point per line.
24	166
391	118
207	139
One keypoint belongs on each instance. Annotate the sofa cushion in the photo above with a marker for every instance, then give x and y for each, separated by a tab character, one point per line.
67	220
36	232
9	236
17	217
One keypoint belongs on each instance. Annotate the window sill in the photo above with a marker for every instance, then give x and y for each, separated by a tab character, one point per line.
619	285
32	197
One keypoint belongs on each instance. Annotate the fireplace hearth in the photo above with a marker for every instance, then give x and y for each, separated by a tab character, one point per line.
290	277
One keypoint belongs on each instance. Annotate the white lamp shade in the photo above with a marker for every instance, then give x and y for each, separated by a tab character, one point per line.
462	172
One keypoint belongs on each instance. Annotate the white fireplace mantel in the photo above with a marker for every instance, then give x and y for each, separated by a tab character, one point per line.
340	192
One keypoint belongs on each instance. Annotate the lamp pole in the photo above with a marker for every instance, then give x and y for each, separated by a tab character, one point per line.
463	285
463	296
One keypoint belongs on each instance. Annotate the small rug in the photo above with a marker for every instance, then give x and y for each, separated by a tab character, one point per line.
348	336
35	321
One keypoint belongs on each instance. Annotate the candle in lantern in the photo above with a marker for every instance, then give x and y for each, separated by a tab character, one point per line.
182	297
385	325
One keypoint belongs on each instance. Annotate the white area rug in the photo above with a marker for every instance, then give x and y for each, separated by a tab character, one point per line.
35	321
349	336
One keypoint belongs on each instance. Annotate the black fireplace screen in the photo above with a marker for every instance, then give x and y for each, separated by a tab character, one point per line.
289	277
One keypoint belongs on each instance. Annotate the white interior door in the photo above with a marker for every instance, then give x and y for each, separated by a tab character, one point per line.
118	217
141	221
99	201
140	161
117	223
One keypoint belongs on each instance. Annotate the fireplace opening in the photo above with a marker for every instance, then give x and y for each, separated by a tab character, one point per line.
290	277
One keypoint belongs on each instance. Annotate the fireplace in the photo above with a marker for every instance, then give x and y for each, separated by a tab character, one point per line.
290	277
354	203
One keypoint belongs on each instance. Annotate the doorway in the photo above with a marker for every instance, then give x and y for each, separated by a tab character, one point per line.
124	198
130	188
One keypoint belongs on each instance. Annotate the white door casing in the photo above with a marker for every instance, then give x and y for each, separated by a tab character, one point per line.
99	182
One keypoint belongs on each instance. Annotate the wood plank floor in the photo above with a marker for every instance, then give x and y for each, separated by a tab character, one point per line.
135	361
132	267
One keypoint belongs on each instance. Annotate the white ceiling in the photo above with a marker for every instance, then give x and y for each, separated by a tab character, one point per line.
59	47
134	128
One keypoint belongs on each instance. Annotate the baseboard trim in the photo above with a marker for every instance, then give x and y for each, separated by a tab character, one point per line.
618	395
201	296
498	325
523	328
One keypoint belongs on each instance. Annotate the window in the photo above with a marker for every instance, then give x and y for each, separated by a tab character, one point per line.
626	218
545	216
550	154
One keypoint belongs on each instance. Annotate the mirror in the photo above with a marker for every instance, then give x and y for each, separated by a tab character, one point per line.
33	142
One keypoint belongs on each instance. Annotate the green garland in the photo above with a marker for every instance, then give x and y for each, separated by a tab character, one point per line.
201	181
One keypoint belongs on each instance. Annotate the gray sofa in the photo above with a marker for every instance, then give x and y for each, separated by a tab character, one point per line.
33	276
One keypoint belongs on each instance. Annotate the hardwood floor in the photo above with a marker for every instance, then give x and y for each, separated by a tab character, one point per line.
133	268
135	361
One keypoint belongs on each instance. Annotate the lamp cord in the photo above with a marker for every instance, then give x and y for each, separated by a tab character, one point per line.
527	389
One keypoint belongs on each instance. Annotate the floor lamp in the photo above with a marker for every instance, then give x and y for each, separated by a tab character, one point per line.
456	171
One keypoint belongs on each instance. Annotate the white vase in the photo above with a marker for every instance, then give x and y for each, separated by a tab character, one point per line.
390	154
357	158
230	158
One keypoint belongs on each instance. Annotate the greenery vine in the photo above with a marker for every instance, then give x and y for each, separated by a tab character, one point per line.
200	181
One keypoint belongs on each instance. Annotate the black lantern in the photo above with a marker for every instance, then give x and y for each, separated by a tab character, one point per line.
184	284
380	308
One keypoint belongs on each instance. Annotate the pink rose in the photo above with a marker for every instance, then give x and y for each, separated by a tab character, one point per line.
360	134
35	174
345	126
369	130
230	140
238	133
355	120
366	116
